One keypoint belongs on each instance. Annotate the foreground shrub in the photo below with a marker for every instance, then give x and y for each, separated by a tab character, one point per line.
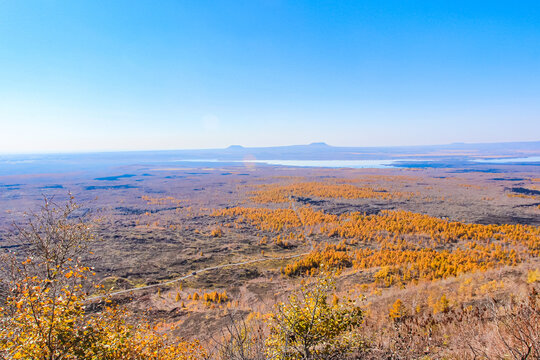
42	320
43	309
307	326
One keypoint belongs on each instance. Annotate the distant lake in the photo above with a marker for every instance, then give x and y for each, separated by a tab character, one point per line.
357	164
509	160
102	164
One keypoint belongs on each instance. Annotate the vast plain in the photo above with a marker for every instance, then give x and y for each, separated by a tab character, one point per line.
195	246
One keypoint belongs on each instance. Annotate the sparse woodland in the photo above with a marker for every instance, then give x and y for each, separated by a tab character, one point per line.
394	284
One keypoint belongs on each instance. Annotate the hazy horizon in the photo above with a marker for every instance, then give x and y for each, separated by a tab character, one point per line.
324	144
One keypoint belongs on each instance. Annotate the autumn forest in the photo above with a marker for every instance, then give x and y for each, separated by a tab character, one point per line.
275	263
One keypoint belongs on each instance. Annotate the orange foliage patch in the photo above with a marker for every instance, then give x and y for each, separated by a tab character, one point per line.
276	193
402	266
386	227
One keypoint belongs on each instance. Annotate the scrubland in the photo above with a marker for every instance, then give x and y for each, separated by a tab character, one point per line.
274	263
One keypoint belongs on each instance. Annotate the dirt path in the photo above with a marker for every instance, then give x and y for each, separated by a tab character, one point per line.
217	267
129	291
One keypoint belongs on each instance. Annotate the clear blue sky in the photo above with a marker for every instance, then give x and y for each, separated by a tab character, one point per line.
126	75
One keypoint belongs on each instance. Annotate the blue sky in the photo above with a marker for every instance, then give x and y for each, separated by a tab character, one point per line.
135	75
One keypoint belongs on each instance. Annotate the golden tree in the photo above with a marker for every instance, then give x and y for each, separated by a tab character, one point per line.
307	326
44	313
397	311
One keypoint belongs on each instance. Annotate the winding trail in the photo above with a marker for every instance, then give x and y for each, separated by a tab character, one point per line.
217	267
128	291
